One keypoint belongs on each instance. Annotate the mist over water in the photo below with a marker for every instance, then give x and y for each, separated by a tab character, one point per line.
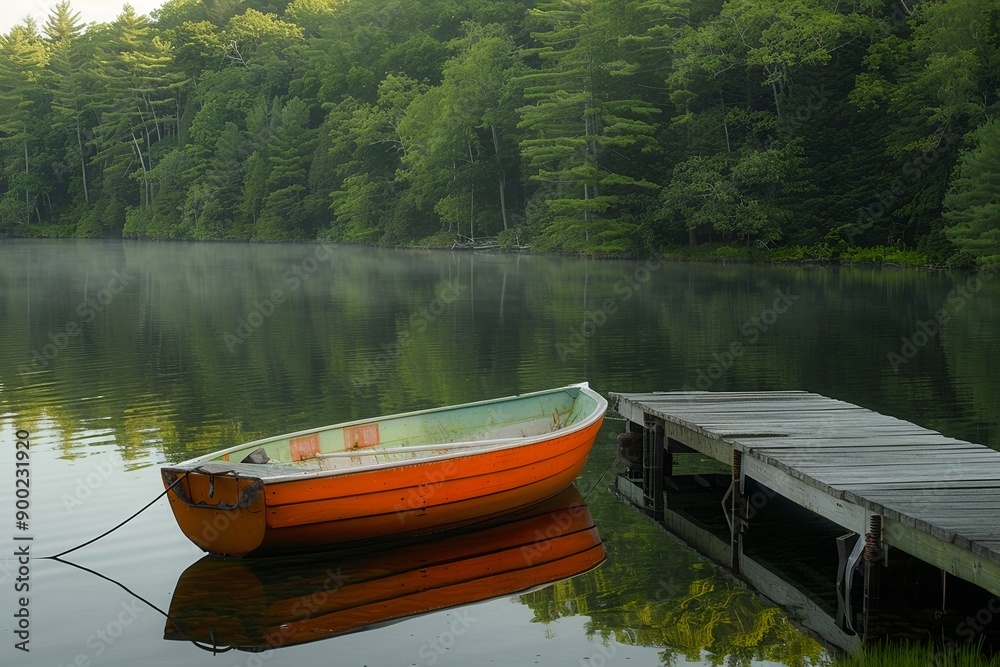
119	356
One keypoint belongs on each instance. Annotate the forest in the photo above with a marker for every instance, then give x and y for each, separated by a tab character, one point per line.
597	127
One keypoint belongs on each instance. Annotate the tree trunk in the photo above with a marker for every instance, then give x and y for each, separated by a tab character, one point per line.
472	198
503	177
503	201
725	127
149	184
27	201
156	121
142	163
83	163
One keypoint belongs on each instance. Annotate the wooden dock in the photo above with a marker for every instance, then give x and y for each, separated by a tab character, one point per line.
890	482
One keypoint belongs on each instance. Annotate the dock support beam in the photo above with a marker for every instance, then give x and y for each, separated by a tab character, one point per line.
854	553
737	512
873	556
653	440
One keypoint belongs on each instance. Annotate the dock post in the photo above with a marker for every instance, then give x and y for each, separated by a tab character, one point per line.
873	555
737	511
838	460
669	444
652	472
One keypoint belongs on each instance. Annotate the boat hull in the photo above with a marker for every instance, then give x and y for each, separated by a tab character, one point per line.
238	514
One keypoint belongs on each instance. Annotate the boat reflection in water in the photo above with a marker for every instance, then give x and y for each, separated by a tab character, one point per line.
255	605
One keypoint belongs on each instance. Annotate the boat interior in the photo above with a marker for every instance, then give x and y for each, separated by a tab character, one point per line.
407	437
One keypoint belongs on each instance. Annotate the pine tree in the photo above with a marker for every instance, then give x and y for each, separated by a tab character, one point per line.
23	103
67	60
459	150
586	126
288	152
972	205
138	107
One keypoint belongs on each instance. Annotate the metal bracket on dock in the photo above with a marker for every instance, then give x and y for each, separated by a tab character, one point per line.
726	508
847	564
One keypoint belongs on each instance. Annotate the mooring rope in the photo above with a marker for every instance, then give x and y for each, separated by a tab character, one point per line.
598	483
213	649
58	557
106	533
107	578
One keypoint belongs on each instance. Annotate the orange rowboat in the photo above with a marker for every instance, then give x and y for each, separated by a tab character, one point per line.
256	605
394	476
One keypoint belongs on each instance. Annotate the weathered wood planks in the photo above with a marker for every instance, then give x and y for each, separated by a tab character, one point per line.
939	496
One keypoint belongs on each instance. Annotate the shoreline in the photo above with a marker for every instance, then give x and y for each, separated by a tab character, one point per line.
820	254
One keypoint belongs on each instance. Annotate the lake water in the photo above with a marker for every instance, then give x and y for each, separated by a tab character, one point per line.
119	356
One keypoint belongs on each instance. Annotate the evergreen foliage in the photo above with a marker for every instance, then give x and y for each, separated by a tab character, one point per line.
581	126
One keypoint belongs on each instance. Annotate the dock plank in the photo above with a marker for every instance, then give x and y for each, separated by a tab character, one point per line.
940	495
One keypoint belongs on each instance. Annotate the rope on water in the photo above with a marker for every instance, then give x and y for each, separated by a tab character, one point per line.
106	578
213	649
598	483
106	533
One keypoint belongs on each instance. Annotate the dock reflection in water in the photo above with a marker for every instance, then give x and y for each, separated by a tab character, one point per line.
256	605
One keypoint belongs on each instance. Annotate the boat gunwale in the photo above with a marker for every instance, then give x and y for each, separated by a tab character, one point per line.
293	475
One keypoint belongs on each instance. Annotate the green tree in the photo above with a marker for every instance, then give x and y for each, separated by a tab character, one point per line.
935	77
253	38
23	100
586	131
67	62
775	38
972	204
733	194
288	151
459	135
367	204
138	106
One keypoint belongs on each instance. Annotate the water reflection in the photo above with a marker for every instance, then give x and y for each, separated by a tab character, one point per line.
153	378
657	592
255	605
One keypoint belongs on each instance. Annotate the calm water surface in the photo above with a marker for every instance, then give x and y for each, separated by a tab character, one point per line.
120	356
